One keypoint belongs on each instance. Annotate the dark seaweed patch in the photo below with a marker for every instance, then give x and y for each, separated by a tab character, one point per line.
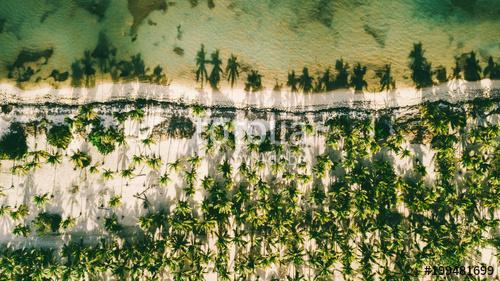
30	56
324	12
467	5
95	7
28	63
2	24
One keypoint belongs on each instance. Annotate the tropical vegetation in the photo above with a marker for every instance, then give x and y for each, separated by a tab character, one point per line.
376	195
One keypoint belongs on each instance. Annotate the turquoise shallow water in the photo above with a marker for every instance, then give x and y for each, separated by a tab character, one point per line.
270	35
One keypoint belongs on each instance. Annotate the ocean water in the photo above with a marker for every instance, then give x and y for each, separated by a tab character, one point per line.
273	36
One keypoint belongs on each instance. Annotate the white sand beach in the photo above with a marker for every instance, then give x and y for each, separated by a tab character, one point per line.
454	91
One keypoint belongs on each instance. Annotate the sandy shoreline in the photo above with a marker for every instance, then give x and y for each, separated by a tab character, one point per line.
454	91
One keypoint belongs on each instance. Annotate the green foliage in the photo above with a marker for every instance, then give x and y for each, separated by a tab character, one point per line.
41	200
21	230
81	159
105	139
180	127
115	201
46	223
21	212
348	205
60	136
112	225
13	142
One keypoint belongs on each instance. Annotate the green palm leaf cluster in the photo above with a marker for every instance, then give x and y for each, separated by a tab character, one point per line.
347	213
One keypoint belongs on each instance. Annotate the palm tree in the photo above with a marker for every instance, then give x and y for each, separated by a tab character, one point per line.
325	82
59	136
107	174
386	80
127	174
232	70
292	81
81	159
21	230
421	69
305	81
254	81
41	200
201	72
441	75
492	70
76	74
158	76
216	72
357	78
176	165
88	69
115	201
472	70
457	69
154	162
164	179
138	67
342	75
103	53
54	159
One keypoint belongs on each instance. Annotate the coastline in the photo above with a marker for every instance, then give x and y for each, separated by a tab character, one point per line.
454	91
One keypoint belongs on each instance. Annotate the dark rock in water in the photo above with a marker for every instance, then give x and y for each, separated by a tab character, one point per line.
193	3
179	51
59	76
211	4
324	12
23	72
378	34
95	7
32	56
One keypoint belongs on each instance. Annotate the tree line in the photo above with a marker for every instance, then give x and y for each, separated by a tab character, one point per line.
423	75
102	60
347	214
